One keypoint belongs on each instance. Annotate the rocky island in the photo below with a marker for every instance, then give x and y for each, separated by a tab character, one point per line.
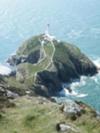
48	63
40	68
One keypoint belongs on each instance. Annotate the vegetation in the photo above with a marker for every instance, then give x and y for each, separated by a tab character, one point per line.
25	49
25	114
32	115
61	58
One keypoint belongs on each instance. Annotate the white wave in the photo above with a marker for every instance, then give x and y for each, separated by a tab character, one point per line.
4	70
65	92
74	93
82	95
78	83
97	62
96	78
73	86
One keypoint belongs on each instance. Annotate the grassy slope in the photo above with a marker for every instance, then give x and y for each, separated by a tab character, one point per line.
29	46
63	51
31	69
31	116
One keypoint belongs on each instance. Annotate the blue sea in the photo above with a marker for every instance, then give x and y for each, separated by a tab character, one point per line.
75	21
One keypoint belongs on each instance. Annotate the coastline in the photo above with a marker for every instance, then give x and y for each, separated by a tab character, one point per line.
5	69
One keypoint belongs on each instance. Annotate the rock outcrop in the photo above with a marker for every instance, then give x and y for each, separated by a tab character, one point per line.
63	127
5	94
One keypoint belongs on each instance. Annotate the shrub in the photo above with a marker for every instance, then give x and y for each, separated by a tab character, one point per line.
73	117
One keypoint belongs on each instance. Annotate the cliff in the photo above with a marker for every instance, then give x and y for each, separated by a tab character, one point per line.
46	63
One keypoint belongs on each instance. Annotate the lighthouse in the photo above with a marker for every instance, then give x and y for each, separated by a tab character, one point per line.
47	36
47	29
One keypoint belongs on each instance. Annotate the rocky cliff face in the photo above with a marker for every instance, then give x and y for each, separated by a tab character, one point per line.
49	63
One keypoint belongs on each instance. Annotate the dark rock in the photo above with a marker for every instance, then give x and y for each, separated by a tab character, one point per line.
50	80
31	58
15	60
69	89
65	72
13	73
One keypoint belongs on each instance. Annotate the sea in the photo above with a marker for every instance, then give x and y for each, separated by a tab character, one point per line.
74	21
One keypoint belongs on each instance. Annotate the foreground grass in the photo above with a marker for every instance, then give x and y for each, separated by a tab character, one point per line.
31	115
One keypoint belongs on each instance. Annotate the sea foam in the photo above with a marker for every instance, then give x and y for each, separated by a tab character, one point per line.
65	93
97	62
76	84
74	87
4	70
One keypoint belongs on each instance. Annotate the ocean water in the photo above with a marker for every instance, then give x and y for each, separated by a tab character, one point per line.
75	21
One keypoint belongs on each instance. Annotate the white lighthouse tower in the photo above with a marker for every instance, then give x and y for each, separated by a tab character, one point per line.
47	36
47	30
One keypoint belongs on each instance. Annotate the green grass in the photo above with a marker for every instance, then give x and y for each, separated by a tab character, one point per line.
29	46
27	117
16	86
31	69
31	116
